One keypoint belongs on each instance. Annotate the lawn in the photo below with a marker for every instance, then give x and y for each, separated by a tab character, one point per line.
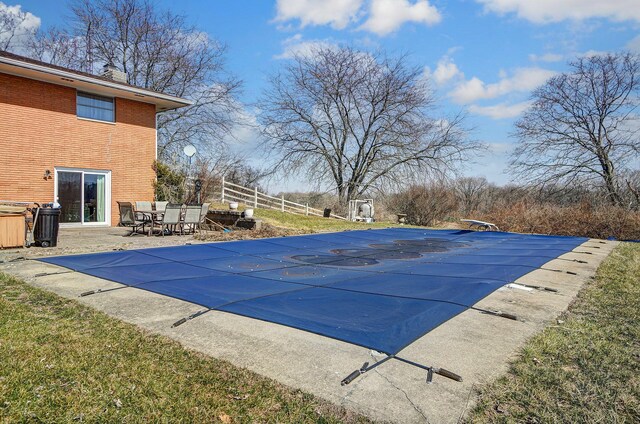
307	224
64	362
586	367
314	223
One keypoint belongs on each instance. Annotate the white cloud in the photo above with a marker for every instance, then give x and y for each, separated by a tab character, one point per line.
446	71
493	164
297	46
523	80
337	13
545	11
591	53
500	110
386	16
245	132
381	17
22	25
547	57
634	44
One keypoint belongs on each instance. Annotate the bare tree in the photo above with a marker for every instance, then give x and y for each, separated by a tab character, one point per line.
470	192
582	126
632	181
59	47
16	27
158	50
357	120
424	203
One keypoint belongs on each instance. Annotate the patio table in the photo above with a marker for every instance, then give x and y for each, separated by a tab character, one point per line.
154	217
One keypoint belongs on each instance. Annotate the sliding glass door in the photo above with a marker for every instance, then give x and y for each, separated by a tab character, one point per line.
84	196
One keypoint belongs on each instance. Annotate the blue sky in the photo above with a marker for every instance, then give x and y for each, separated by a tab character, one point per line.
482	56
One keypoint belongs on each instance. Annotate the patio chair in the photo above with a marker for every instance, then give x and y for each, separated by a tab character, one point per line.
161	206
144	206
128	218
192	218
171	217
203	214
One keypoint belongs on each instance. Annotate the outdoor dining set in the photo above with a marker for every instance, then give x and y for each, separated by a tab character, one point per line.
162	217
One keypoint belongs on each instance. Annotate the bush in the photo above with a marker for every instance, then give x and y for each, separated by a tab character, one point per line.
169	185
579	220
424	205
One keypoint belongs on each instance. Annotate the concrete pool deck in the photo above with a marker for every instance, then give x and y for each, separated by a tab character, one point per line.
474	345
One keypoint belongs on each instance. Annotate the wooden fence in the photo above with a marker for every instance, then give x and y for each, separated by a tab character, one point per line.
252	197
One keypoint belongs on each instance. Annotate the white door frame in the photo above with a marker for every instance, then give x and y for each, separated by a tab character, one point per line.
107	192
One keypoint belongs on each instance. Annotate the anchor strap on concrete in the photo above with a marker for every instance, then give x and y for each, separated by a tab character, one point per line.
430	370
580	261
44	274
497	313
90	292
542	288
559	270
190	317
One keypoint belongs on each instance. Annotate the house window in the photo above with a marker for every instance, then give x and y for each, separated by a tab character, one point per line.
91	106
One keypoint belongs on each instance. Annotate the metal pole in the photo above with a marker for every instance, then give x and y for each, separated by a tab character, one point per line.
306	209
222	192
255	198
282	202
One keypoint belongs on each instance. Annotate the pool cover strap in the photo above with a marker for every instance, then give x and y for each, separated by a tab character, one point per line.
430	370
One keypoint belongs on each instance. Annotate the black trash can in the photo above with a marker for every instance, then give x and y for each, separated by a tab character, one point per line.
45	232
327	213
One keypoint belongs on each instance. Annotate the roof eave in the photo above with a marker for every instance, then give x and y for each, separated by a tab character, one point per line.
163	102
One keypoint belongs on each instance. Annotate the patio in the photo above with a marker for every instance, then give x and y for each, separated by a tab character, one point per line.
98	239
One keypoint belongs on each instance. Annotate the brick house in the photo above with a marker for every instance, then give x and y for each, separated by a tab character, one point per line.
85	140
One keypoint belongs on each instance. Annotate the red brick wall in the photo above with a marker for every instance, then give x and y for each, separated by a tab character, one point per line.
39	130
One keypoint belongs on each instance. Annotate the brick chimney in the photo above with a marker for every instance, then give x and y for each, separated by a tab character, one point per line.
111	72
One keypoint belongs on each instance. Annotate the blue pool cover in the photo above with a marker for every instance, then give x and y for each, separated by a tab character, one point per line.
381	289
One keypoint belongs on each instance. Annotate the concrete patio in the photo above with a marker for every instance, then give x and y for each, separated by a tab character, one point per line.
97	239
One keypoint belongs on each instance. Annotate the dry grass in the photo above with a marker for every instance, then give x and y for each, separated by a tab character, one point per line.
586	368
64	362
584	220
266	231
283	224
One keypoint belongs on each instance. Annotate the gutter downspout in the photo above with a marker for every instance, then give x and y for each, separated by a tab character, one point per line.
155	177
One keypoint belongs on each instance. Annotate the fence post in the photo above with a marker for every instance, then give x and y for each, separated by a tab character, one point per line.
282	202
306	209
222	195
255	198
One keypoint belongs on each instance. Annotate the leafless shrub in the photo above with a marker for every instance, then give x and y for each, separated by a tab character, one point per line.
579	220
471	192
209	172
424	204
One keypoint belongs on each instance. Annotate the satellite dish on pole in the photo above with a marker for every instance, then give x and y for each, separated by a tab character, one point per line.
189	150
